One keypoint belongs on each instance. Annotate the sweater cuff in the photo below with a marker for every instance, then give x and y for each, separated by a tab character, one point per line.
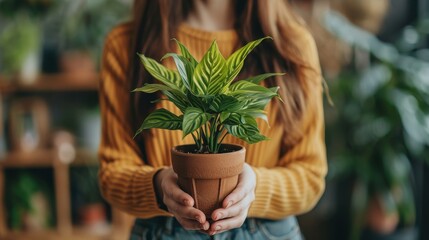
258	207
151	198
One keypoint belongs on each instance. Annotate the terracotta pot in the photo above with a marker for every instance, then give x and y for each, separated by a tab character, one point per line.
208	178
379	220
92	214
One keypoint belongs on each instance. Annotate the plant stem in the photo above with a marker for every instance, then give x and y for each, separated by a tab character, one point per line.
221	140
197	142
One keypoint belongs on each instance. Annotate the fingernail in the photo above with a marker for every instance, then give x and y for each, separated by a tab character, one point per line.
229	204
186	202
198	219
218	227
218	216
204	227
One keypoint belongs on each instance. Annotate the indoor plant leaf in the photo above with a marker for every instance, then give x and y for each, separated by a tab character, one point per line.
184	68
161	118
168	77
243	87
151	88
209	75
236	61
185	53
193	119
178	99
246	132
224	102
259	78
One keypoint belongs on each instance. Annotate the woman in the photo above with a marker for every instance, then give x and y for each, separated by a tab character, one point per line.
282	177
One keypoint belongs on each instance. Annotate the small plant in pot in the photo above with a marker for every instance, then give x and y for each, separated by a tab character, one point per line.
213	105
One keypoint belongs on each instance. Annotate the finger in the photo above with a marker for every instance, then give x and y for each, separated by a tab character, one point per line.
192	224
240	193
246	185
227	224
234	210
177	194
178	210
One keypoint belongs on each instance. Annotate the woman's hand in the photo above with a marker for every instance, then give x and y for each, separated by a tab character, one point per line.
236	204
179	203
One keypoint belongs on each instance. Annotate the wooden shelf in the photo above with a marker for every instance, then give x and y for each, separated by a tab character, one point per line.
37	158
60	82
45	158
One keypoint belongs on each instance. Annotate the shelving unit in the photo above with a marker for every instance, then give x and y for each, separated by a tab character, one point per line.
50	158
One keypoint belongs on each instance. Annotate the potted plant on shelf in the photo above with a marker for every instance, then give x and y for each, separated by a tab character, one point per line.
213	106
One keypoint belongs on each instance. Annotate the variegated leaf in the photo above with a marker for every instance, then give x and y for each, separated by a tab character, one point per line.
193	119
224	102
179	100
246	132
161	118
185	53
209	75
167	76
236	60
247	88
151	88
259	78
184	67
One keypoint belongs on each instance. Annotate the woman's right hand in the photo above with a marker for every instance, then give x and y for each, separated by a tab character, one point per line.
179	203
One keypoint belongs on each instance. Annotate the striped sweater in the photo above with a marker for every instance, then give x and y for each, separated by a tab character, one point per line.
288	182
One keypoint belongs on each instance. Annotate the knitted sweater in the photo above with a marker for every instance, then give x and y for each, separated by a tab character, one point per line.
288	182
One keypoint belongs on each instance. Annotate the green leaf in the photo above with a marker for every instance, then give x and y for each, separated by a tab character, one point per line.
246	132
224	116
231	119
224	102
151	88
259	78
255	113
209	75
236	60
161	118
185	53
245	87
184	67
255	96
197	102
178	99
167	76
193	119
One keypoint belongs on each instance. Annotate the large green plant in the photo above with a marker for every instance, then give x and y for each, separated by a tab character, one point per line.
212	104
380	128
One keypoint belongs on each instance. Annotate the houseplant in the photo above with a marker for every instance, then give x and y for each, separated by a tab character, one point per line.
212	106
378	140
84	26
21	37
378	134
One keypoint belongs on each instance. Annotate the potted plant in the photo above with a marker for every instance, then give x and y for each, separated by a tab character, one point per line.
84	25
213	105
374	142
21	37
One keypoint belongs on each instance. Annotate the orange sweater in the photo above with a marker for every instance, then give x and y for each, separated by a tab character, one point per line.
287	184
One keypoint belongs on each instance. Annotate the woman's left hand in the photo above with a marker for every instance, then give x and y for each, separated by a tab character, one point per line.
236	205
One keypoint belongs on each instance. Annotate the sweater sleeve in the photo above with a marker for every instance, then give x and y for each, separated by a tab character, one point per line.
296	184
125	181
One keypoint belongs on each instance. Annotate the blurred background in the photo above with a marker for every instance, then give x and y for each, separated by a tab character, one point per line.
375	60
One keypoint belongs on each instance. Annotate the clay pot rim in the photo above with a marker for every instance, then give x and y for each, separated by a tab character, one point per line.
174	149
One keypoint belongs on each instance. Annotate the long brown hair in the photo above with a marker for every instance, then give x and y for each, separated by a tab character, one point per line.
156	22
